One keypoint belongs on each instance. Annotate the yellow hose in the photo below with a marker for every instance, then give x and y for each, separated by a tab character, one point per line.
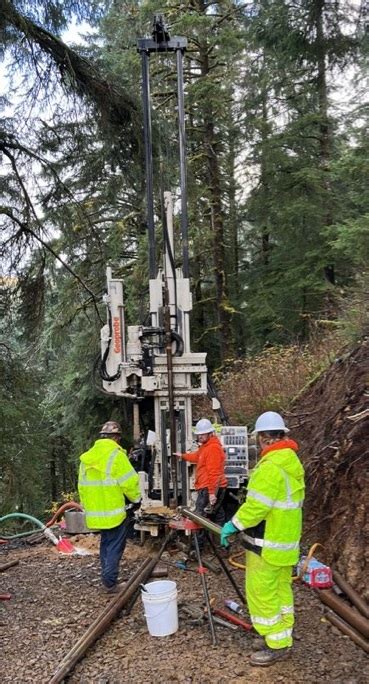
241	566
231	561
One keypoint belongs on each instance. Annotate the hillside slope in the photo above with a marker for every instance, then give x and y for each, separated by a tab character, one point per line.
331	423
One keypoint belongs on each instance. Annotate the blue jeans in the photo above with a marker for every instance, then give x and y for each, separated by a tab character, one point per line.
112	545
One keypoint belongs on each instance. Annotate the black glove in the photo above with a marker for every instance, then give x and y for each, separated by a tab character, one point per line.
135	506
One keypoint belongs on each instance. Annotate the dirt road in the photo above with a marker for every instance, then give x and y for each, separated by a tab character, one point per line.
55	598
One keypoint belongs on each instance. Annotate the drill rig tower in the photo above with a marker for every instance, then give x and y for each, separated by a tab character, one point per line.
155	360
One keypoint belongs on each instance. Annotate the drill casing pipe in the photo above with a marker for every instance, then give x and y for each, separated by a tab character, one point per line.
200	520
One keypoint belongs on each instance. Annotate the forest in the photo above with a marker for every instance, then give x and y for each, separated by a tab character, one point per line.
276	101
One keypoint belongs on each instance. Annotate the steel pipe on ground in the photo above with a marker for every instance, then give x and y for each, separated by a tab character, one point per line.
351	593
348	630
343	610
8	565
102	622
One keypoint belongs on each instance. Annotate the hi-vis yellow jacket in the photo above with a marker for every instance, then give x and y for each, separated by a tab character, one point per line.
271	516
106	479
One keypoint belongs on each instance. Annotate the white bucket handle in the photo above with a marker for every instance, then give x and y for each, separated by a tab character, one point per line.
153	617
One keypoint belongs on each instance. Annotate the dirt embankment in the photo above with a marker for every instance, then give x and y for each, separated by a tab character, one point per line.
331	423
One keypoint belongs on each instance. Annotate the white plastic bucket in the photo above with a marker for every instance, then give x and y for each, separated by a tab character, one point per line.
160	606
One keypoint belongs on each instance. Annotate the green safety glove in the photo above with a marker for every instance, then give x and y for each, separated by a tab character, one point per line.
227	530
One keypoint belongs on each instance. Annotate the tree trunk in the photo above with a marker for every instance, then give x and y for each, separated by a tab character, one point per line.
216	219
325	132
264	180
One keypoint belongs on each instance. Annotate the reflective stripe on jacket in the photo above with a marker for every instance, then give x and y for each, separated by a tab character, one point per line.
209	459
271	516
106	479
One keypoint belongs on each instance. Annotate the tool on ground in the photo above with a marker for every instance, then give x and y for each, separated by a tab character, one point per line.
205	588
5	597
197	616
195	613
232	618
219	621
180	565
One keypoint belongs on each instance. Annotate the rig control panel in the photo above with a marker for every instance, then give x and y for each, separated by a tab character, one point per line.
235	444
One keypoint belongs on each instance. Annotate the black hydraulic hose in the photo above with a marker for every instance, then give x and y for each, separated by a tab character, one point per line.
103	370
179	343
170	254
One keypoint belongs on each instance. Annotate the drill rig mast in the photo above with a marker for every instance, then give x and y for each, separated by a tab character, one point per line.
156	361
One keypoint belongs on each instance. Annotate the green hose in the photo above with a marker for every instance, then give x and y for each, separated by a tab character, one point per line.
40	525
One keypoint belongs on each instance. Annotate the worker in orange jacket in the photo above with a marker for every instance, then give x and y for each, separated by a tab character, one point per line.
210	481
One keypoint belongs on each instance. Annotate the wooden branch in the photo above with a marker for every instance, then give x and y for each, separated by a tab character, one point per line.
358	416
115	105
25	229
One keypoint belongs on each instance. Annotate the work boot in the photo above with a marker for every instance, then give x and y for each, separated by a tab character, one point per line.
257	643
115	589
269	656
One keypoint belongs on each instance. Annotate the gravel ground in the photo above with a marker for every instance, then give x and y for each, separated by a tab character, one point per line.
55	598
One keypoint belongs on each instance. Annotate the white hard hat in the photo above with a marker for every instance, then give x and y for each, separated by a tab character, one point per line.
203	427
270	420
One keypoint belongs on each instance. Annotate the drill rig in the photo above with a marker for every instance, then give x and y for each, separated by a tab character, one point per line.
155	361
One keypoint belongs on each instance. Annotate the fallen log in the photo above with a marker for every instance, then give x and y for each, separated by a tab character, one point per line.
351	593
348	630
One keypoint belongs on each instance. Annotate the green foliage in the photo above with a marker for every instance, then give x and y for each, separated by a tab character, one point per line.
23	436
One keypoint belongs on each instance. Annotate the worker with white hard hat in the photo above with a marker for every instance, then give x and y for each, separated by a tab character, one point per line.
271	522
210	481
106	482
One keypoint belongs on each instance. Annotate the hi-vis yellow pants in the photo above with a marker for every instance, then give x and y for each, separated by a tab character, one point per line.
270	600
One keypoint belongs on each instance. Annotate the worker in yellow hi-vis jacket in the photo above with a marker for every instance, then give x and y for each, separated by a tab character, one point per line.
106	479
271	519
